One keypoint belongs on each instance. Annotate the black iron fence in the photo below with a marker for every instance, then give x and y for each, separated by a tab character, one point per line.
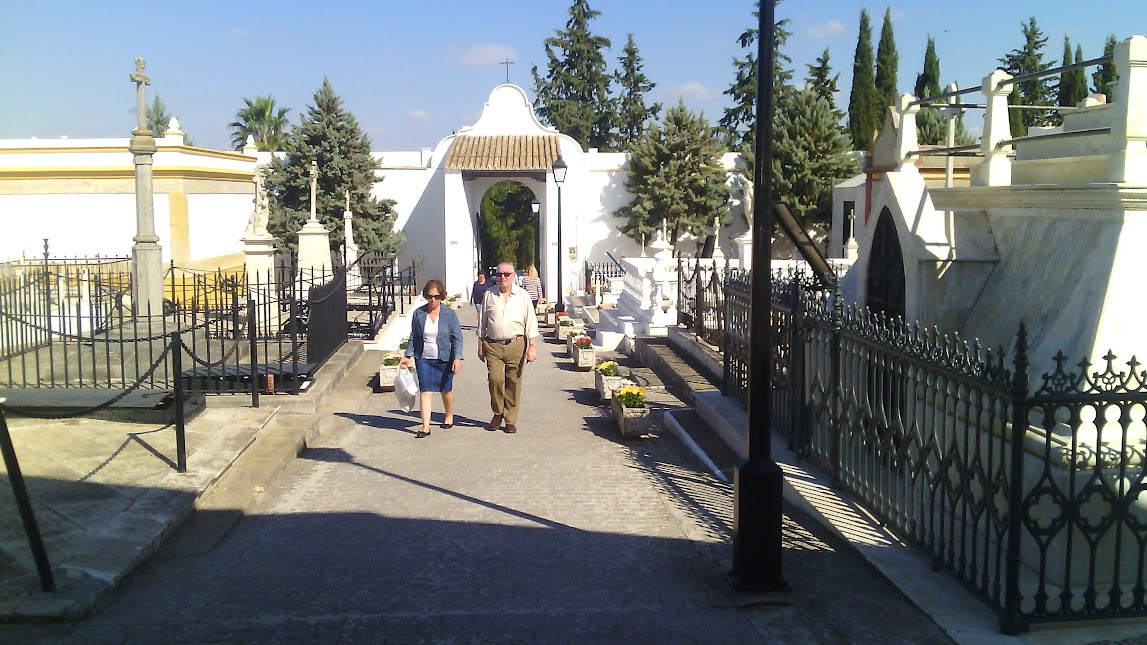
1033	501
701	298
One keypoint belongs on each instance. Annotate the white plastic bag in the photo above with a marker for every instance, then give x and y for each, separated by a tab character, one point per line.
406	389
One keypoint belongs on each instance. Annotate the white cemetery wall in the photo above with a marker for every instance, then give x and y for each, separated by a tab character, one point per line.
219	220
75	225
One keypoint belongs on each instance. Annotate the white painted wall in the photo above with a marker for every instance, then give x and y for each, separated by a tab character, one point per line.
218	221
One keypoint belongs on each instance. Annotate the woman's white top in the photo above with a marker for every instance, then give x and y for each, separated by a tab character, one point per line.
430	337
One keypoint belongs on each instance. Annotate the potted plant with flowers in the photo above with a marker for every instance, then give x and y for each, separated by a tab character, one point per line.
551	315
607	378
571	336
562	329
388	371
630	411
583	354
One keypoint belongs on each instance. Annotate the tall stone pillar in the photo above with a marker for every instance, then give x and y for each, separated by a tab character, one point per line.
1129	125
907	141
997	168
147	256
353	279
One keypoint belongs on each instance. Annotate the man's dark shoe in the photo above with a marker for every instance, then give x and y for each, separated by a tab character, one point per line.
511	428
495	423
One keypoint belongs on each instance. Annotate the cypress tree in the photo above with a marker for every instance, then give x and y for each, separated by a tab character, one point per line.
739	122
887	68
1025	60
930	128
1105	74
632	113
330	136
574	95
675	176
1079	77
862	100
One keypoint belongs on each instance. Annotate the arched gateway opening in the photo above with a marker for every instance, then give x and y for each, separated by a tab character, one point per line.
508	226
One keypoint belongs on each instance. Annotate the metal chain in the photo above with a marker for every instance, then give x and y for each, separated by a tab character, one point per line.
27	412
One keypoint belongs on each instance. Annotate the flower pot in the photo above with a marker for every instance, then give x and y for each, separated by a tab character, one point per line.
632	422
606	384
561	331
570	339
541	308
551	318
584	358
386	376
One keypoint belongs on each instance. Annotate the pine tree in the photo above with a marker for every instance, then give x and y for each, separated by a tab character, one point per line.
330	136
822	81
1105	74
1026	60
675	176
739	122
887	68
811	154
862	101
157	117
574	95
632	113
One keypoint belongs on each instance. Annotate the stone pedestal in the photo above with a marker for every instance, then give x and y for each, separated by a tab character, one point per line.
315	251
259	252
745	250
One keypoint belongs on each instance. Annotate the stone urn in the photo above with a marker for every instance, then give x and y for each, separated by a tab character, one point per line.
606	384
632	422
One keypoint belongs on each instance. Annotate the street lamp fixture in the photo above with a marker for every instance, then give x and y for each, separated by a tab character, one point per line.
560	169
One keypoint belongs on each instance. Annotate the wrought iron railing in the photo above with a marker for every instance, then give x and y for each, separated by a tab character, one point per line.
1031	501
701	298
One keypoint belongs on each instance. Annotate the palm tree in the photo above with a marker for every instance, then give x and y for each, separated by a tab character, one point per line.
261	120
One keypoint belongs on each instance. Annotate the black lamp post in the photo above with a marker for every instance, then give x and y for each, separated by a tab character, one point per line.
559	169
758	482
536	207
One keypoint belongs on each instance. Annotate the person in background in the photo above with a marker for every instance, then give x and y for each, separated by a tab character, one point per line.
507	339
533	285
436	342
478	291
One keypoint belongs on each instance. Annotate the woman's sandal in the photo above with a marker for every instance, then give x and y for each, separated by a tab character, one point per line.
447	425
421	433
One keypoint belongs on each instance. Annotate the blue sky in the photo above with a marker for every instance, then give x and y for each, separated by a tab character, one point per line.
413	72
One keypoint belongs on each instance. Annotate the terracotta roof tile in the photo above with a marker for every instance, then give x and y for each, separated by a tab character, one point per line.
502	152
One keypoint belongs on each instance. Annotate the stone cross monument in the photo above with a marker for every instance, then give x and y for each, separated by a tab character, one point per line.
314	239
147	256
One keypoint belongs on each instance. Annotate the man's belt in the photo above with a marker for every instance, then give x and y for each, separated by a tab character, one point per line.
500	341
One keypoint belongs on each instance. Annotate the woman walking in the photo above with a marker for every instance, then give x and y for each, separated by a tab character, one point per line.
436	343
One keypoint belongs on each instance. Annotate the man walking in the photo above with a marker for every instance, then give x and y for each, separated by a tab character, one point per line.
507	338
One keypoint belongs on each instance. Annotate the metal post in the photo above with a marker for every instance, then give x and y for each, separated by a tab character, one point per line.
1010	622
561	303
180	434
254	338
24	505
758	483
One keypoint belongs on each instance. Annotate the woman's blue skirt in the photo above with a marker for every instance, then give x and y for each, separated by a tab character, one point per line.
435	375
